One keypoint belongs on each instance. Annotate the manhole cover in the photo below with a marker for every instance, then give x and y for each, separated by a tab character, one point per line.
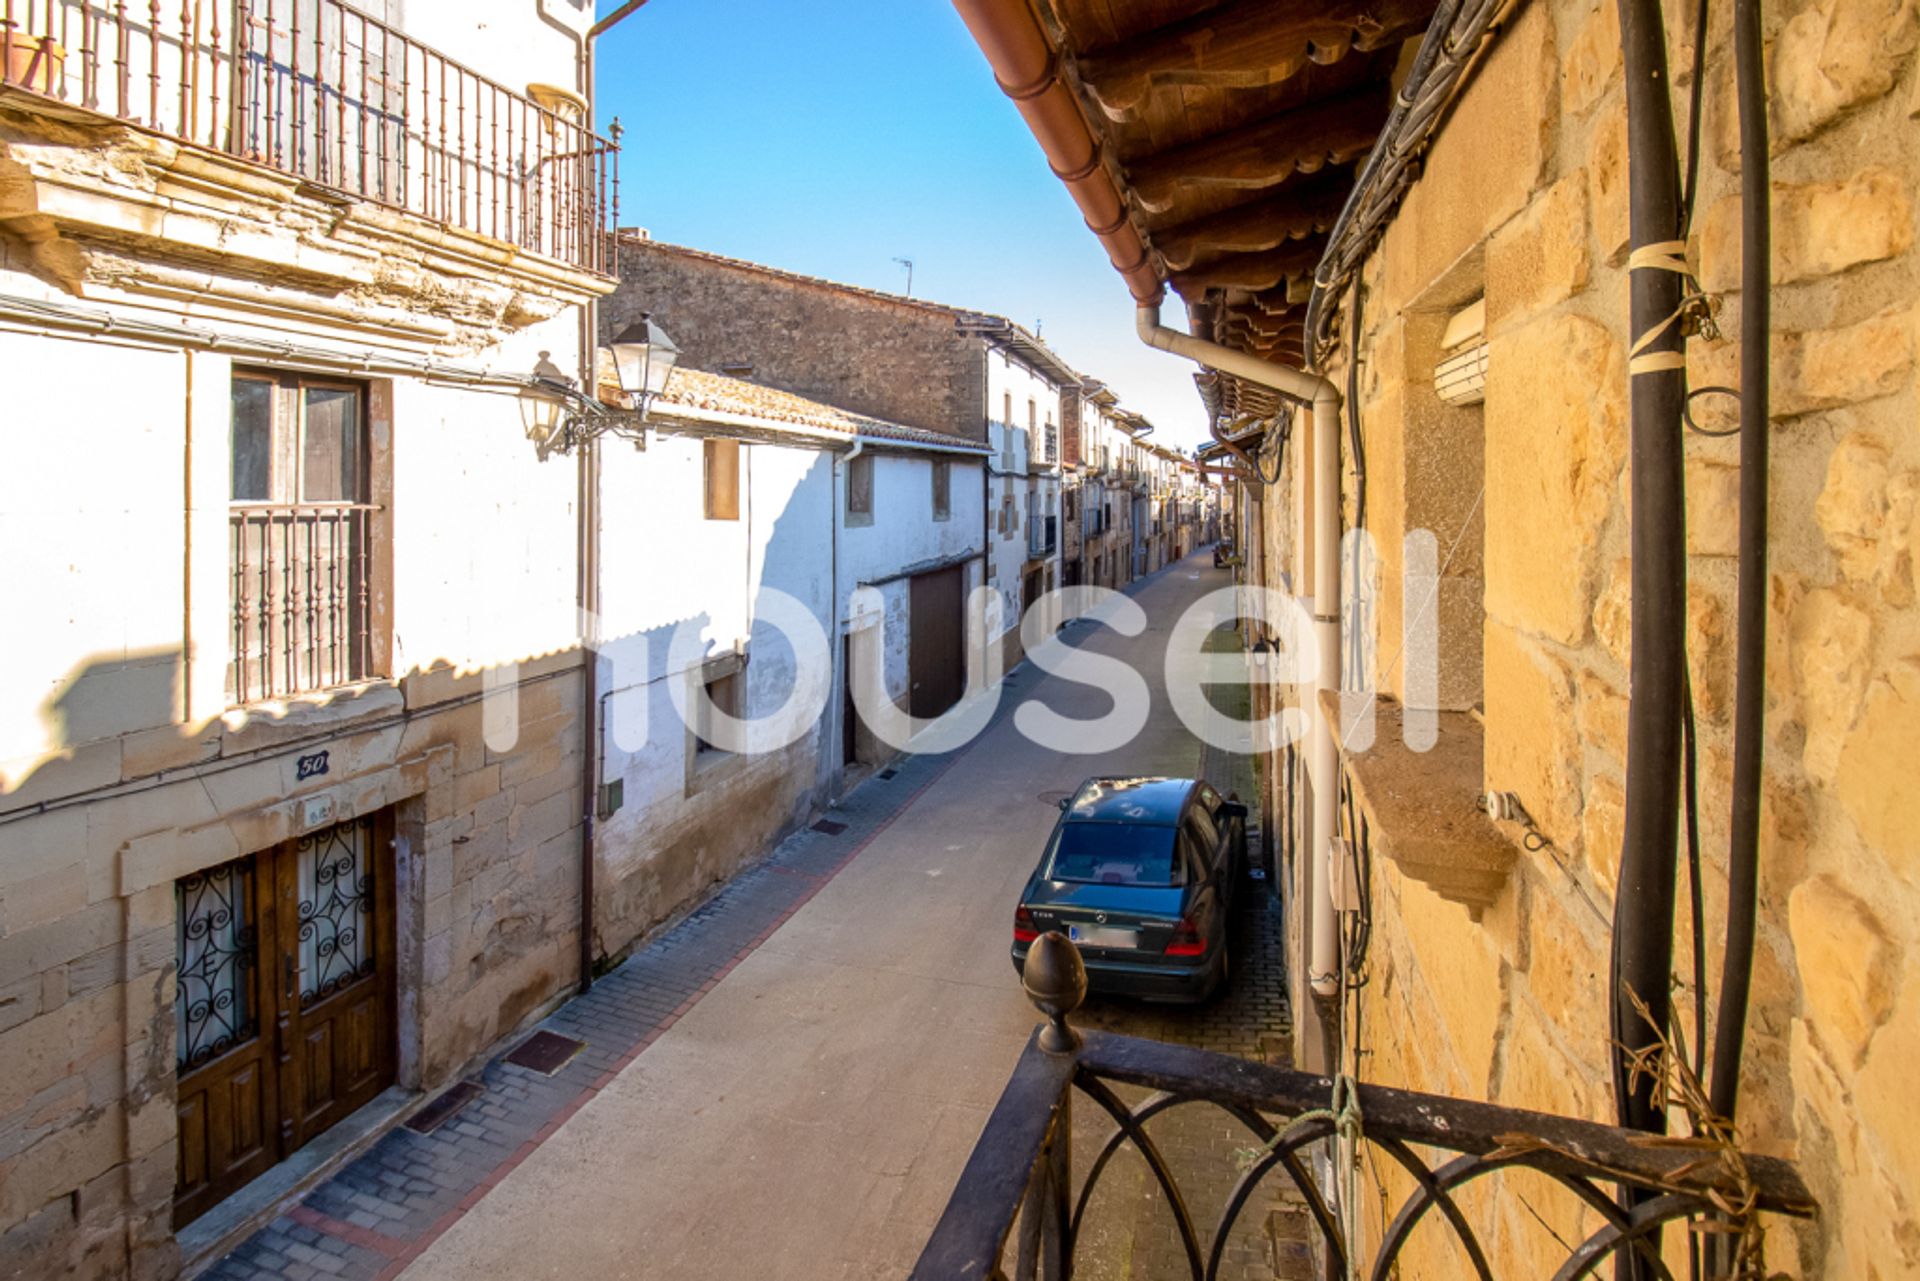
545	1052
829	827
445	1108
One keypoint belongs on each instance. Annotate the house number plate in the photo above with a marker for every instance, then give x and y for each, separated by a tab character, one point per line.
311	766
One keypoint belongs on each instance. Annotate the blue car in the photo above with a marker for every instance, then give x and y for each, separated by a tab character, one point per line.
1141	874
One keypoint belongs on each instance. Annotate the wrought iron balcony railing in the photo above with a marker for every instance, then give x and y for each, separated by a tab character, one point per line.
1018	1194
302	598
319	90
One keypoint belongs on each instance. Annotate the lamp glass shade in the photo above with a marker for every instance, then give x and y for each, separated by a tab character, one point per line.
540	413
644	357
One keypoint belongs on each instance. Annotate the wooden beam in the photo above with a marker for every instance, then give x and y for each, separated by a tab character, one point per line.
1267	151
1293	213
1292	261
1245	44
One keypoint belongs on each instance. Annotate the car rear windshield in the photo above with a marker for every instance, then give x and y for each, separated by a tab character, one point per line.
1115	854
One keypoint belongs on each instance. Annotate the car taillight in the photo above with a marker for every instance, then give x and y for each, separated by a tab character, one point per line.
1186	940
1024	930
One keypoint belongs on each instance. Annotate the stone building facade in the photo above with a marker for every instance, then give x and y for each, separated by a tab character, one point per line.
772	539
281	451
1489	958
971	376
890	357
1482	442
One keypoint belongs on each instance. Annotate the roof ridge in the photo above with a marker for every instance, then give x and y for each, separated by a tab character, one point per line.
628	236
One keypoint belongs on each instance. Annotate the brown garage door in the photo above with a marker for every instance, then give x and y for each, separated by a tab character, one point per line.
936	647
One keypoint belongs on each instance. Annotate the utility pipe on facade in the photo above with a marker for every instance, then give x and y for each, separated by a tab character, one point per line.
1750	644
1322	554
588	534
1642	960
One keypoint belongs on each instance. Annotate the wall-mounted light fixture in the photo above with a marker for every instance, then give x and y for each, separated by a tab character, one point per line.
559	415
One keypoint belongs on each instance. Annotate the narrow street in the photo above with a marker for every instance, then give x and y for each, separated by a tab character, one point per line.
787	1083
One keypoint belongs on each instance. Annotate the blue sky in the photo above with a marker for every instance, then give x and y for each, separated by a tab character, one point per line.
832	136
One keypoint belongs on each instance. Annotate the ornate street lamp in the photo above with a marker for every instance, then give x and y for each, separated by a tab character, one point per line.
558	415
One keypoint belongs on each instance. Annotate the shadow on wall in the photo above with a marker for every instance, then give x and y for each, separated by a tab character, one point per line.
72	740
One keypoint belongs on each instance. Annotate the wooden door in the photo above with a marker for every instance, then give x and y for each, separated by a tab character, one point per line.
336	969
936	644
228	1106
285	1015
849	712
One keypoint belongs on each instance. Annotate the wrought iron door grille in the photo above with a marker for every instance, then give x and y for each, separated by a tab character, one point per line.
217	949
335	871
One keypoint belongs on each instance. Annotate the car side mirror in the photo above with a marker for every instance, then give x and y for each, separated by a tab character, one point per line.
1232	809
1064	802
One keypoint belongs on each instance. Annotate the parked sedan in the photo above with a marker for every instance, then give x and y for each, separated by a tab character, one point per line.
1141	874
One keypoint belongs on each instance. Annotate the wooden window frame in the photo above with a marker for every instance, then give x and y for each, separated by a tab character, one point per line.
720	479
942	489
860	513
308	607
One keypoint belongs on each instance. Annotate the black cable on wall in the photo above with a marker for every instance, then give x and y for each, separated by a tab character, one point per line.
1750	643
1642	960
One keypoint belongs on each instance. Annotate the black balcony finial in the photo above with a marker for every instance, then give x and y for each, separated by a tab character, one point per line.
1056	983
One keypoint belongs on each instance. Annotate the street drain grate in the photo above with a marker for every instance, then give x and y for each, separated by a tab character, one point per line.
545	1052
445	1108
888	773
828	827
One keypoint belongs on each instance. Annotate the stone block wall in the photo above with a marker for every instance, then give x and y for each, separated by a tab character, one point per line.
1523	201
486	871
897	359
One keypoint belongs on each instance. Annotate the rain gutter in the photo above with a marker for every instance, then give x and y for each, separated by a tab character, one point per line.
1321	555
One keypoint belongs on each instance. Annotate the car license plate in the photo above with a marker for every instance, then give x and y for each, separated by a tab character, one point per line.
1103	936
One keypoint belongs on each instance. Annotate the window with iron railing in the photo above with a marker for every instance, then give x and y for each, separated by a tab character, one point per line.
300	537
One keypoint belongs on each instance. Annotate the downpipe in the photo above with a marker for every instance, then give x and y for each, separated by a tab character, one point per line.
1322	754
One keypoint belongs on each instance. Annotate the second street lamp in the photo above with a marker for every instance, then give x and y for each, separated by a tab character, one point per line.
559	415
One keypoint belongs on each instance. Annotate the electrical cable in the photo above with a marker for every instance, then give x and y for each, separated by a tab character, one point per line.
1454	40
1357	448
1689	732
1750	644
1642	953
1697	915
1696	97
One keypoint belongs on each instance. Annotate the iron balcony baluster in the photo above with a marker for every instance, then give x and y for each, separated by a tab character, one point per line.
300	96
1017	1183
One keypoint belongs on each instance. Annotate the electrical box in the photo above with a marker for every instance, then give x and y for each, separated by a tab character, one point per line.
612	796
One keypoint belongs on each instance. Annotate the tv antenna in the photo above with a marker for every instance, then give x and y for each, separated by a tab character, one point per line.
908	264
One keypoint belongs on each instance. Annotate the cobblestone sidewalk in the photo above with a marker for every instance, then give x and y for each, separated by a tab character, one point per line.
375	1216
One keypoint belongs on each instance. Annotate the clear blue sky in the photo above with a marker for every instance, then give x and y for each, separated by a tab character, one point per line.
832	136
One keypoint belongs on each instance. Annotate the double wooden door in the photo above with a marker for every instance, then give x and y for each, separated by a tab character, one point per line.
285	1012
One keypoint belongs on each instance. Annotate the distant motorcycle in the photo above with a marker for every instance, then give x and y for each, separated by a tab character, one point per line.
1222	553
